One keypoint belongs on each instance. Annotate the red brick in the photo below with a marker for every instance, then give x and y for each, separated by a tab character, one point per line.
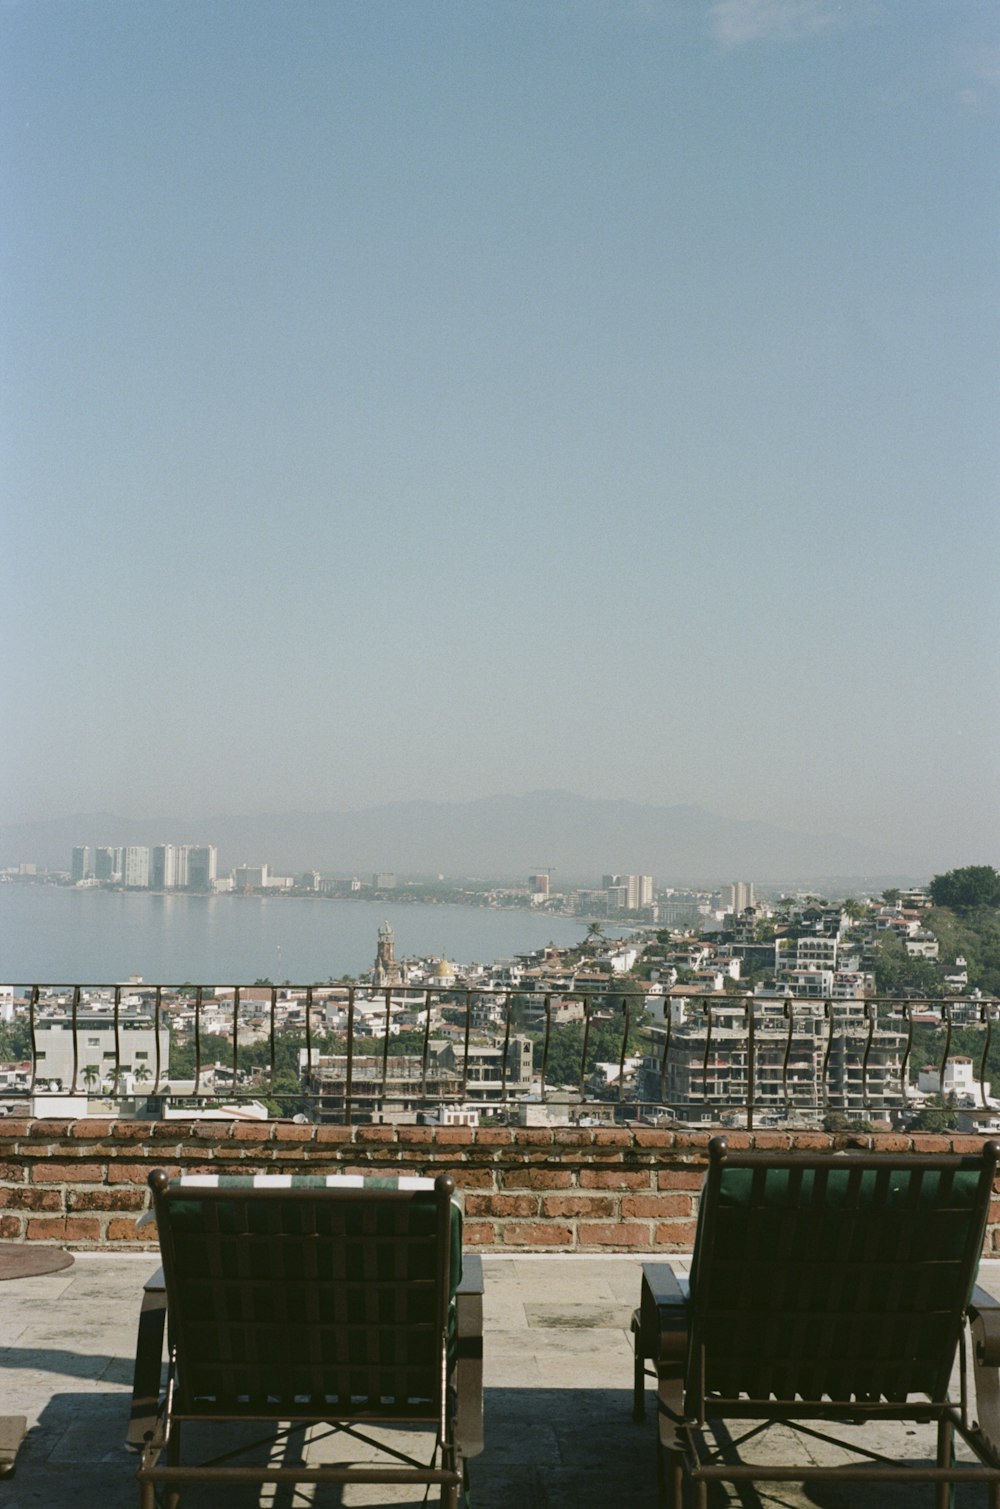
931	1142
121	1229
494	1137
12	1131
67	1173
501	1205
477	1234
535	1178
696	1141
334	1134
47	1131
657	1206
532	1137
680	1178
91	1130
772	1141
250	1131
613	1234
676	1236
965	1144
454	1136
374	1134
473	1178
290	1131
654	1137
812	1142
613	1137
64	1229
892	1144
130	1131
536	1234
614	1178
415	1136
571	1206
25	1198
107	1199
136	1173
11	1227
13	1173
572	1136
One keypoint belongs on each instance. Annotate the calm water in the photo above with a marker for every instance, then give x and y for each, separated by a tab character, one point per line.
56	935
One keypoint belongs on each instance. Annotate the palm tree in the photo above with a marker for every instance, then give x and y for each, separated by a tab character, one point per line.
595	936
90	1077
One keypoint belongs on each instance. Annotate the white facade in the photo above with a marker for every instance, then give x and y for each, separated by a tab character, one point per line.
96	1054
136	867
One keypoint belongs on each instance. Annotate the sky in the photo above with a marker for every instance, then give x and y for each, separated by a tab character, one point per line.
440	398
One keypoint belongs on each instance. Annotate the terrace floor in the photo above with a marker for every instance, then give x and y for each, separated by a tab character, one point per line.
559	1432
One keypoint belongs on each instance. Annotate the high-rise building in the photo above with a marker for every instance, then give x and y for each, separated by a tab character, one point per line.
738	896
136	867
104	864
637	889
539	884
80	863
199	867
163	867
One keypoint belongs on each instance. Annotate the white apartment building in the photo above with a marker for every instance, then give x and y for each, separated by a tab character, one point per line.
136	867
96	1048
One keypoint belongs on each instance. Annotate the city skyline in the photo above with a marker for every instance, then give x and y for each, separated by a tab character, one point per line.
430	402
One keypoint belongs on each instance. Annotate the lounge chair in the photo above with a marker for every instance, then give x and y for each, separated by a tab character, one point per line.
833	1288
311	1301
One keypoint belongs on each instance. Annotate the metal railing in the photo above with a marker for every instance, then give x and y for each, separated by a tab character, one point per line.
397	1051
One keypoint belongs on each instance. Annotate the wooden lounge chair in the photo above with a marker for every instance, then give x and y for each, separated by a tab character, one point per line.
312	1302
833	1288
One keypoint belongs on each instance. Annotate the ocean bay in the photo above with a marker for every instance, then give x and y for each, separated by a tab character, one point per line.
65	935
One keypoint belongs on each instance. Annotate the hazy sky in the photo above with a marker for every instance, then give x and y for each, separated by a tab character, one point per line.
445	397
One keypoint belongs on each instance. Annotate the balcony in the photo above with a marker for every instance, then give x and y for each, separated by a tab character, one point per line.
563	1213
558	1374
394	1054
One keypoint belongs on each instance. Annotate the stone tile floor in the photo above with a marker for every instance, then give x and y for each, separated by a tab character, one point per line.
559	1433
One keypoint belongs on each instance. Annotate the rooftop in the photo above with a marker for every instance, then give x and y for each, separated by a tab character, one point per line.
558	1368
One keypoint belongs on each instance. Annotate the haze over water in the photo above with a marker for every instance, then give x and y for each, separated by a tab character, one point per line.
61	936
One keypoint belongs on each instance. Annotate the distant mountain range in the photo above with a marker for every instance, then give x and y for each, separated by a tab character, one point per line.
577	838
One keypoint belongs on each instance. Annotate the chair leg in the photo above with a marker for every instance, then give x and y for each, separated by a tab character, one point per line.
669	1478
638	1382
945	1494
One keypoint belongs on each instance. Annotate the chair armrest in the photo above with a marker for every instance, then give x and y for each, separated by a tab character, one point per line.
148	1362
984	1313
469	1357
663	1311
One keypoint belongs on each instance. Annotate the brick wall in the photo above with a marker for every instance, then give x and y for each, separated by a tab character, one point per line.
82	1184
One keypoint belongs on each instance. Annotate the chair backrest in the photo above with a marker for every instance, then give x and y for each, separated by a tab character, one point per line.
840	1277
286	1289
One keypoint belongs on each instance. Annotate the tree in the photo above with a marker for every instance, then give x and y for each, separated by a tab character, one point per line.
891	895
595	936
896	971
90	1076
935	1117
967	888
